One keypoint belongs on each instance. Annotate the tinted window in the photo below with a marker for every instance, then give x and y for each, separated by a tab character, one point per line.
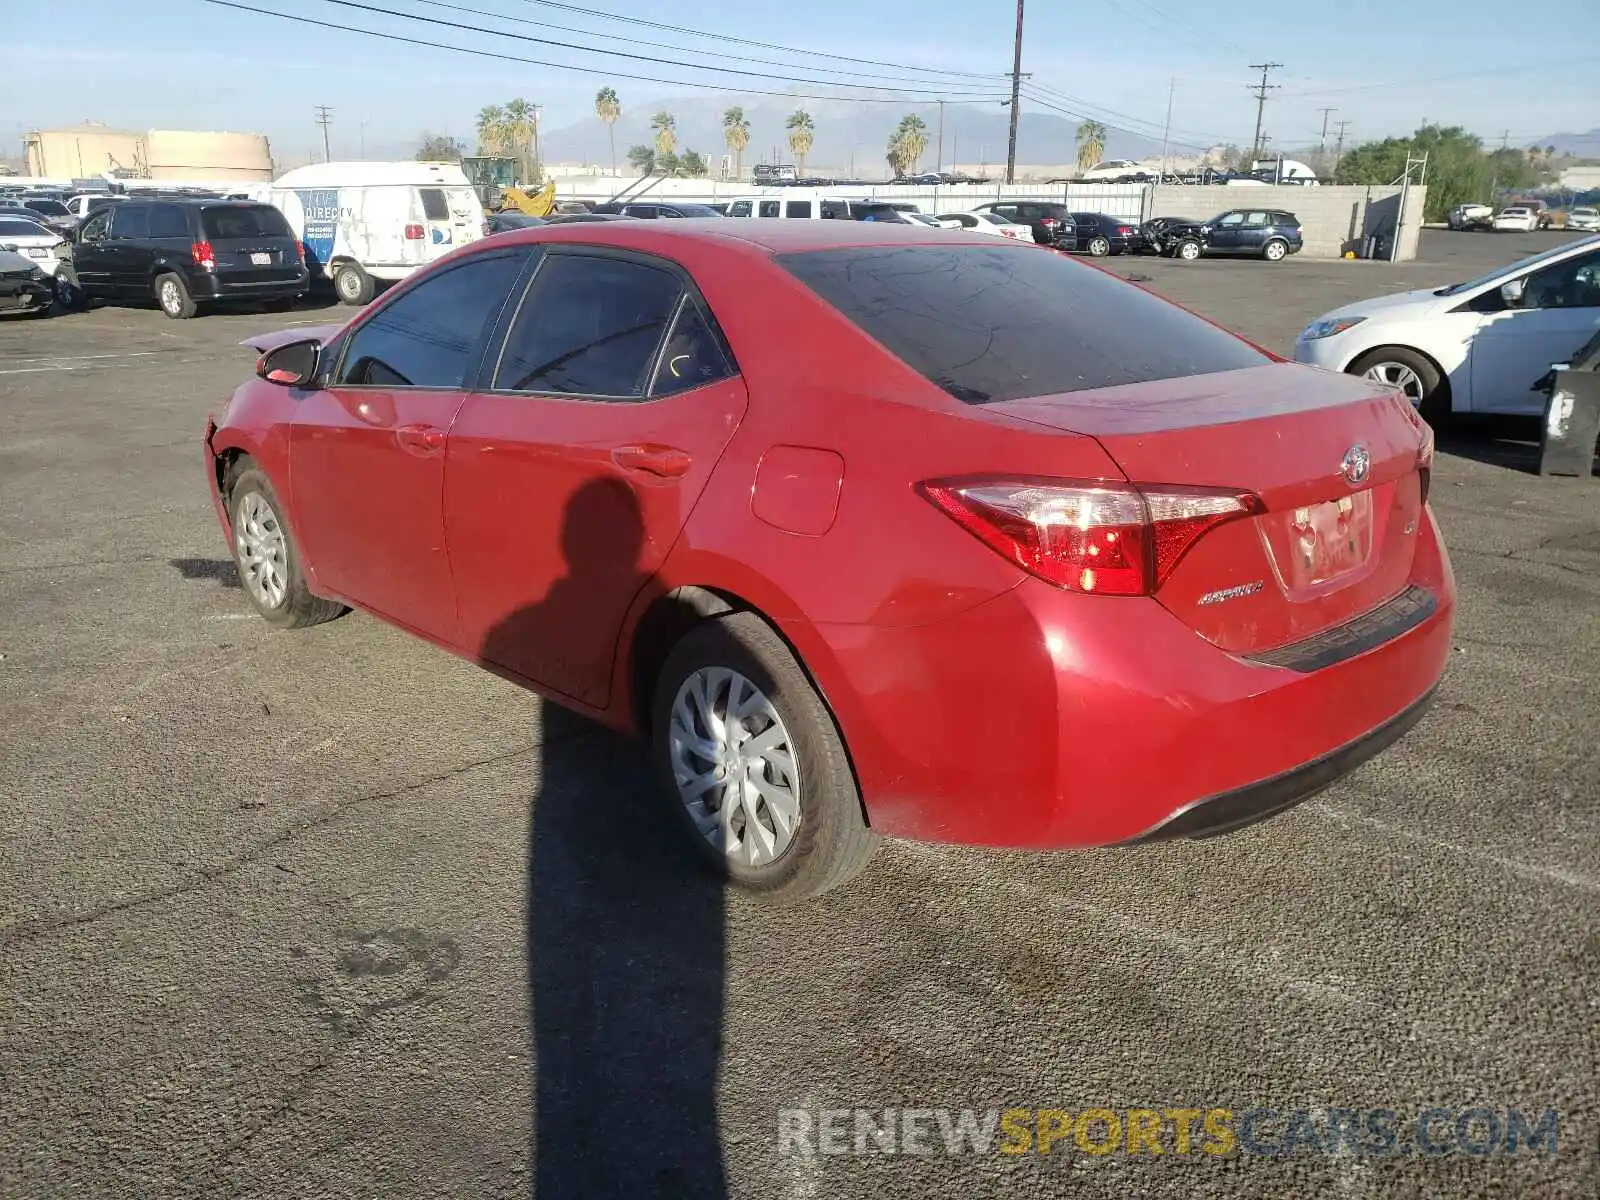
50	208
16	227
739	208
99	202
131	221
1285	219
168	221
769	208
695	210
693	355
243	221
590	326
796	208
835	210
434	206
429	336
1571	284
999	323
94	228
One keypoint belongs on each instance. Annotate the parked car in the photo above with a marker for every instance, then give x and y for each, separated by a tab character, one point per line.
190	254
42	246
654	211
991	223
1160	539
1516	220
1269	234
1473	347
24	286
1100	234
1470	216
53	212
1110	170
363	224
85	204
1584	218
1154	232
504	222
1052	224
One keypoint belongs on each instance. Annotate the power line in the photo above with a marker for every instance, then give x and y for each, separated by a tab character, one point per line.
670	62
499	56
1541	65
1087	109
1260	93
633	41
1082	114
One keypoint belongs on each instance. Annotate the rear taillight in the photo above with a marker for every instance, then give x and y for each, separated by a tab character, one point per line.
1049	222
1125	230
1425	461
1105	539
414	233
300	249
203	256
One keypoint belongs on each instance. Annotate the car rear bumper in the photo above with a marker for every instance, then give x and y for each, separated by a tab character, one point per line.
1044	719
204	286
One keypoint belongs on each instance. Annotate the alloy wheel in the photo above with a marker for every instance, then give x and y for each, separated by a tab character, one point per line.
734	766
262	550
1275	251
170	300
1397	375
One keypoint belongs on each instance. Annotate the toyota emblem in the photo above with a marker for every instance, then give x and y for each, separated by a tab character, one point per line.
1357	462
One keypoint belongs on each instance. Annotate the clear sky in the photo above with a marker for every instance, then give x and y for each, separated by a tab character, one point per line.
1499	68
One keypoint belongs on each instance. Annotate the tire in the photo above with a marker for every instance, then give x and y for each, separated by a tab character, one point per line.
1275	250
289	604
172	294
353	285
1434	399
829	842
1099	247
1188	250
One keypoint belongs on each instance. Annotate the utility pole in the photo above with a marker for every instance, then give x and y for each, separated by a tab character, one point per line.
1338	149
538	162
1505	140
940	167
1167	128
324	119
1016	92
1260	93
1322	146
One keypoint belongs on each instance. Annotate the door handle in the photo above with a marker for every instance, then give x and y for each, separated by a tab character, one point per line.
423	440
668	462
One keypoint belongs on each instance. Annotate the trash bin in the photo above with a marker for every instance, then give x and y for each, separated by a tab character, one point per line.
1572	415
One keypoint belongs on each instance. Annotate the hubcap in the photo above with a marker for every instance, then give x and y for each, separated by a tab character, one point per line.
734	766
1274	250
349	285
1190	250
1397	375
169	296
263	554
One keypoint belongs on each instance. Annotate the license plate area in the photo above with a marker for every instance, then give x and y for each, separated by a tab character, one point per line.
1327	540
37	252
260	259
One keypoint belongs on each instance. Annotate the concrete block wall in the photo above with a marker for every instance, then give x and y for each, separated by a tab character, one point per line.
1332	219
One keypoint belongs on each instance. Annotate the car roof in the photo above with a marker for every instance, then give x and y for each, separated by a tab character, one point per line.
777	236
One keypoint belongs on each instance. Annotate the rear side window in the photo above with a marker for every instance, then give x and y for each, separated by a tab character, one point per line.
769	208
797	208
590	326
429	336
434	206
243	221
693	355
988	324
131	221
739	208
168	221
11	227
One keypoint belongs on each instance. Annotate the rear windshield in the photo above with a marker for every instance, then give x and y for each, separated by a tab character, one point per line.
434	206
243	221
1001	323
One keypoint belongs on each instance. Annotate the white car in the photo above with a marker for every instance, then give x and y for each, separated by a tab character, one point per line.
36	241
988	222
1473	347
1111	168
1585	219
1523	220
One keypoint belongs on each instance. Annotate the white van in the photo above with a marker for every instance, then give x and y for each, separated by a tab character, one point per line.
362	223
812	208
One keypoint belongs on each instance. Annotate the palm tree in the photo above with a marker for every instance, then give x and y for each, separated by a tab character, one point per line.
608	108
736	132
907	144
491	129
1091	144
666	127
519	132
801	128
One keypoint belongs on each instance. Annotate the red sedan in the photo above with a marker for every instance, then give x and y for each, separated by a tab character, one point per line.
870	529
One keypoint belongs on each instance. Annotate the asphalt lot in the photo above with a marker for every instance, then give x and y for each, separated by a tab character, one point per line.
334	914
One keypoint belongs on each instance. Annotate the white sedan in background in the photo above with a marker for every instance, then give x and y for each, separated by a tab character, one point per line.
38	243
1522	220
1473	347
987	222
1584	218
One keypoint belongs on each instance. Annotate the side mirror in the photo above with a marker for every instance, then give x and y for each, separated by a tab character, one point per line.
291	365
1514	292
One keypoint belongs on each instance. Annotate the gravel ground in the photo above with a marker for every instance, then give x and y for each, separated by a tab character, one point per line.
335	914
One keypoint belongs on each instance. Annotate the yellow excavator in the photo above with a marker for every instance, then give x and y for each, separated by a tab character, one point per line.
534	204
494	179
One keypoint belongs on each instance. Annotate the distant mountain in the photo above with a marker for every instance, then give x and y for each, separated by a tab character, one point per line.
1579	145
845	132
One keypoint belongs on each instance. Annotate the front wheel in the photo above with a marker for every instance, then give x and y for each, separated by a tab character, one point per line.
754	765
268	560
1099	247
1188	250
1411	373
1275	251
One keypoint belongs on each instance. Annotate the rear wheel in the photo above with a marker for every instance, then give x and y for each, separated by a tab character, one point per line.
172	294
1411	373
1099	247
1275	250
754	764
353	285
265	553
1188	250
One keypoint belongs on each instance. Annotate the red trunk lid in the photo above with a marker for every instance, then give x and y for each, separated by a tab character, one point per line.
1327	548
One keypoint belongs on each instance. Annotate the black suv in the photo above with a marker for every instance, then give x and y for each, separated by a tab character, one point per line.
1052	223
188	253
1263	233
